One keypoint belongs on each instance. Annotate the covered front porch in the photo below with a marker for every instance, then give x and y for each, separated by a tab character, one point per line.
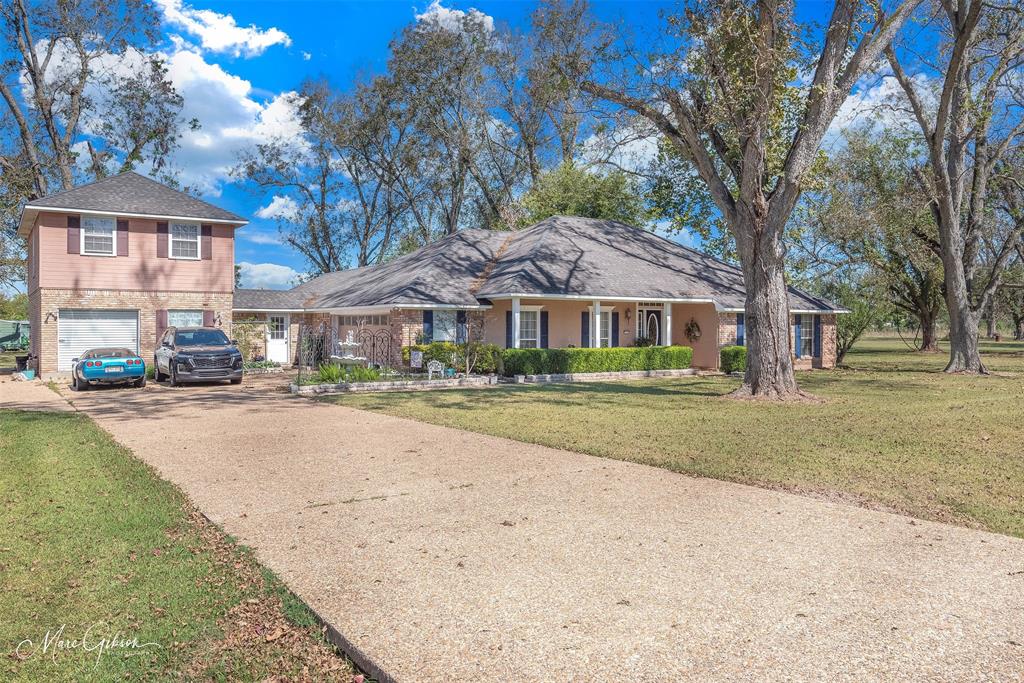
522	322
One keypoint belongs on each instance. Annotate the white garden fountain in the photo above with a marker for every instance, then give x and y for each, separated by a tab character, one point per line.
347	352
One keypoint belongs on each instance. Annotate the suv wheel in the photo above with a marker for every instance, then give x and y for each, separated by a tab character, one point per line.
174	377
157	375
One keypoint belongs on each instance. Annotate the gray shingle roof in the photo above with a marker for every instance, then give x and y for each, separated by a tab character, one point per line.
560	256
267	300
443	273
132	193
568	255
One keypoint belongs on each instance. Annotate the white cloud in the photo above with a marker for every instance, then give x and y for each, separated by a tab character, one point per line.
451	19
259	236
267	275
306	56
279	207
879	103
231	119
219	32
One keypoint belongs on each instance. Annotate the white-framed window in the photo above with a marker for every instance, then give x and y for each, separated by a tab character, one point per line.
605	333
184	318
445	326
277	327
363	320
99	235
806	335
184	240
529	329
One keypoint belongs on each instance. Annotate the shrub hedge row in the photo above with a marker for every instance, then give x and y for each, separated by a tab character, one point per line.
733	359
487	357
564	361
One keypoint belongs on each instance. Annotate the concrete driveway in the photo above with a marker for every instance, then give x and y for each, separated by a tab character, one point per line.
444	555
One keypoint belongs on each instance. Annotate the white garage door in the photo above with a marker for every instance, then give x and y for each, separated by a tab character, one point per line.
79	330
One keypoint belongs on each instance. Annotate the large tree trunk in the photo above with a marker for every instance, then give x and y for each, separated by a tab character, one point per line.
769	372
963	318
992	320
1018	327
929	323
963	339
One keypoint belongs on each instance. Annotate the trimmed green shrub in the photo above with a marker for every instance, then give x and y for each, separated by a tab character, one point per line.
733	359
357	373
487	356
329	373
569	360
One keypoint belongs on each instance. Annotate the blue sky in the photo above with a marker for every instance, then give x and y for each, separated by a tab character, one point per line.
234	61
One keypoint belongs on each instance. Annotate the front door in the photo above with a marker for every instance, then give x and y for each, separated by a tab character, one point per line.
277	338
651	327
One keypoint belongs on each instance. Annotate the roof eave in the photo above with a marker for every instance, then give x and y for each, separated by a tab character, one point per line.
24	228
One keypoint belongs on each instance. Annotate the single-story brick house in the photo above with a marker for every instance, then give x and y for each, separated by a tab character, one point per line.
566	281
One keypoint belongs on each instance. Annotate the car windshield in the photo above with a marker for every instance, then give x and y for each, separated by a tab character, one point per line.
200	337
108	353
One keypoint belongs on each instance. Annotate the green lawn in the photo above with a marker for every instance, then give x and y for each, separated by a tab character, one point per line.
89	536
893	431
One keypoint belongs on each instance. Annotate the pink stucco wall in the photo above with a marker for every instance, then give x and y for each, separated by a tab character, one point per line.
141	270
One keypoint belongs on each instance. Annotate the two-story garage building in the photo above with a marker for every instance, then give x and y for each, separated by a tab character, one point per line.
114	262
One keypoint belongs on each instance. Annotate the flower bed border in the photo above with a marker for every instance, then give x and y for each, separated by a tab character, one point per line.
398	385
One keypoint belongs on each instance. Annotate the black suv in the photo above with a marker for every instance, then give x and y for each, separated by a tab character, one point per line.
197	354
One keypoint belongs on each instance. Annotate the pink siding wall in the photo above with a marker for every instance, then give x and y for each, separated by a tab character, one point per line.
33	261
141	270
564	325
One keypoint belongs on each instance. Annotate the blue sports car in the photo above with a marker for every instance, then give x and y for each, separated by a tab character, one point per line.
108	366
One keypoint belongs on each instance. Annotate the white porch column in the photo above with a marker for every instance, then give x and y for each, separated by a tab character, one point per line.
515	322
595	335
666	336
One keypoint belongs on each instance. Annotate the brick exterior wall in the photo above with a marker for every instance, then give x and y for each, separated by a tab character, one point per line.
726	329
259	347
45	305
727	337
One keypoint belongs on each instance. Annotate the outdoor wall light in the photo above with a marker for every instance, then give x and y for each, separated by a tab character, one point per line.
50	315
628	315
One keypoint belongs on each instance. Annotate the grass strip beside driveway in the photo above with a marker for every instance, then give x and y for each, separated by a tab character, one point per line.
894	432
91	537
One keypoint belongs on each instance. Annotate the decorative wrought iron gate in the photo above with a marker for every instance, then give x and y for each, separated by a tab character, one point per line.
375	346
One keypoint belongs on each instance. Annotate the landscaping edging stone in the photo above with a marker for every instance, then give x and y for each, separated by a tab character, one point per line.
263	371
603	376
408	385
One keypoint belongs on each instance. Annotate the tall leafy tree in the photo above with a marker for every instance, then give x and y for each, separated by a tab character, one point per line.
969	125
865	211
744	94
572	191
77	71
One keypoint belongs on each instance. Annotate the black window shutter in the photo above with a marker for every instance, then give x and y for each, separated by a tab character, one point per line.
817	336
543	329
428	326
122	237
797	333
741	333
460	327
74	238
161	240
508	329
585	330
615	328
206	242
